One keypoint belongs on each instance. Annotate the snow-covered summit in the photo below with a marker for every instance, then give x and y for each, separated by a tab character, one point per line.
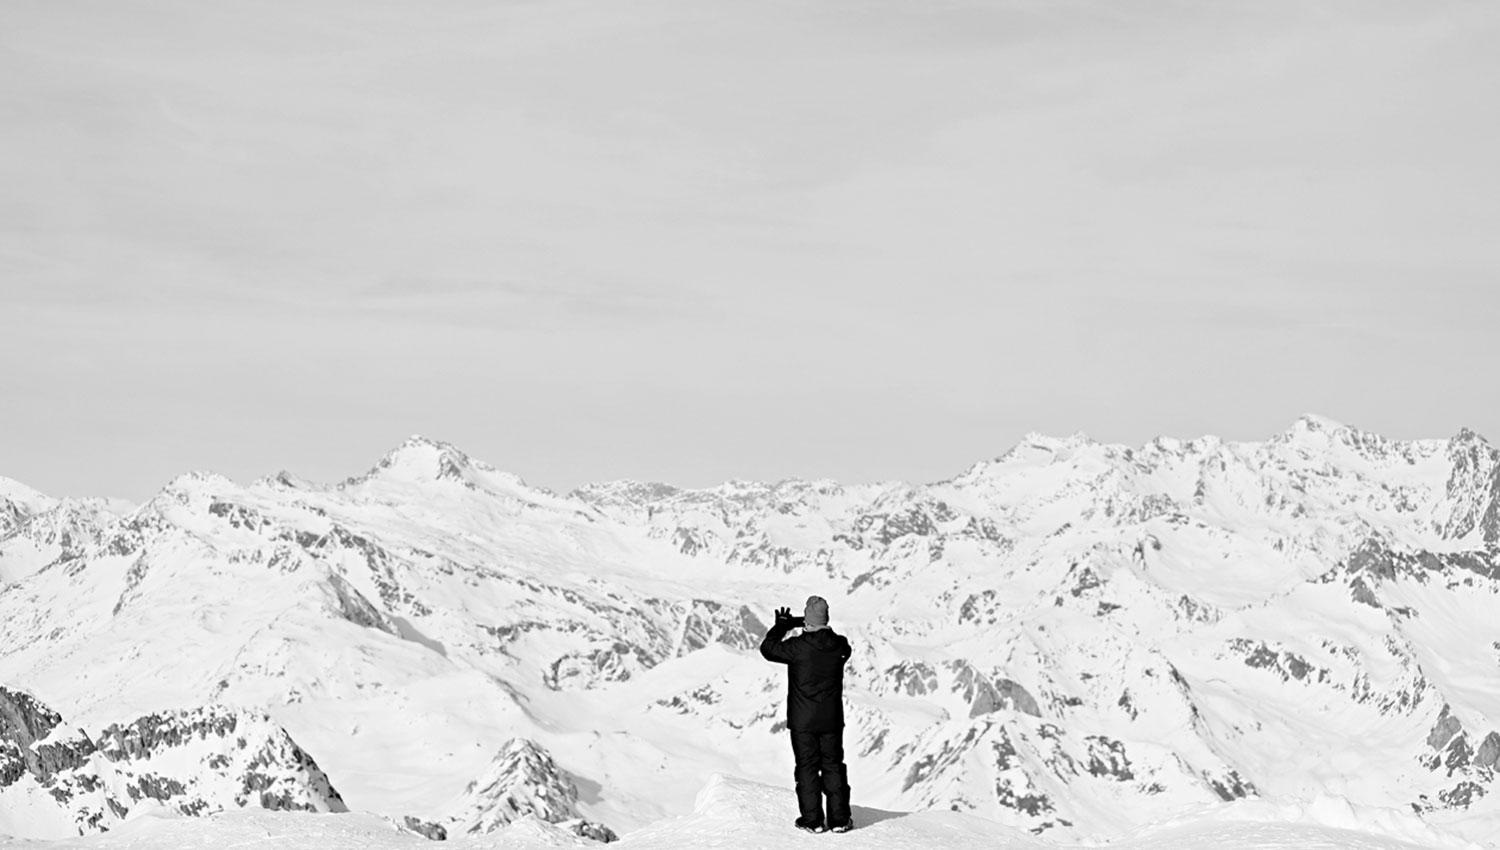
422	459
426	470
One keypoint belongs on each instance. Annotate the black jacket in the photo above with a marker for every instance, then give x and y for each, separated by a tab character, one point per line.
814	676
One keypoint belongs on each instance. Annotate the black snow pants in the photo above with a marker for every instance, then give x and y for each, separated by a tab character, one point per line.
820	771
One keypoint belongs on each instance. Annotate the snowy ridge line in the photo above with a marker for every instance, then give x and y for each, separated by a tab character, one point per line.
1073	639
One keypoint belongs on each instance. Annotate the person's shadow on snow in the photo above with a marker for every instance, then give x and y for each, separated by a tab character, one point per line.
865	816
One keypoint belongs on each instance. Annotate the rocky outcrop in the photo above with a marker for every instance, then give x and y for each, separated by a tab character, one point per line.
23	722
427	829
194	761
523	780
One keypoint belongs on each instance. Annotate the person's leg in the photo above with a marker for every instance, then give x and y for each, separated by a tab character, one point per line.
835	777
809	797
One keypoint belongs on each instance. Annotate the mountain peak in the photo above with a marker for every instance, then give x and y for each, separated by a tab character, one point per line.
422	458
1311	430
1074	440
1038	447
1314	423
198	481
285	480
1468	437
15	492
422	461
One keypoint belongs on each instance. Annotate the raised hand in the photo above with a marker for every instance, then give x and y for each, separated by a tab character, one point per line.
783	615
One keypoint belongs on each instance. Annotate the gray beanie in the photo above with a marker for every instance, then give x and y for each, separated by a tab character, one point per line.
815	615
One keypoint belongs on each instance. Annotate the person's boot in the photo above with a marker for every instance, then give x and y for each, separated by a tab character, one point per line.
841	827
809	826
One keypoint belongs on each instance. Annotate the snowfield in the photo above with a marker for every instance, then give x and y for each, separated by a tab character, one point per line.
735	814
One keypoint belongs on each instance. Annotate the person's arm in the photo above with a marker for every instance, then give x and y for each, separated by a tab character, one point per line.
845	651
771	648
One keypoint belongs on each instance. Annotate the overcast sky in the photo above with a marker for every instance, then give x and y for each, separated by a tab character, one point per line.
693	240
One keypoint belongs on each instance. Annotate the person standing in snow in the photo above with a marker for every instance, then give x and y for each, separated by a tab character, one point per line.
814	711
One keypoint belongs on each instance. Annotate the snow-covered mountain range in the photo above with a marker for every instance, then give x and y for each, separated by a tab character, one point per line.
1074	639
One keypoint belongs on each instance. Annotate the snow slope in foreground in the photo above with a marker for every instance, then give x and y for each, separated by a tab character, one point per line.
735	814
